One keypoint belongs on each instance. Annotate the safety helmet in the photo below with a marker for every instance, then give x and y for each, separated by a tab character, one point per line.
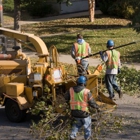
82	80
110	43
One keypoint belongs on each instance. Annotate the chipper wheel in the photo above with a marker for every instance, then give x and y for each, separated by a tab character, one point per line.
13	111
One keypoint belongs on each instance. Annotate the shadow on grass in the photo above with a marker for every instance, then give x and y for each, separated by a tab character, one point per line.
74	28
68	25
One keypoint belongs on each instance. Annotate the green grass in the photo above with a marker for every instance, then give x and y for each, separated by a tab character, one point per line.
62	34
97	40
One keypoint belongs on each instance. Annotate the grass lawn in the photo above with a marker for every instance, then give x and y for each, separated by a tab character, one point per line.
62	34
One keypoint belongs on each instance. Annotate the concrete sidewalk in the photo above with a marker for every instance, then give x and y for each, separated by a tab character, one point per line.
94	61
63	16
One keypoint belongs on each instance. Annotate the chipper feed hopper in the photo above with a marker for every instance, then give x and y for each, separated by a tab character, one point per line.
22	82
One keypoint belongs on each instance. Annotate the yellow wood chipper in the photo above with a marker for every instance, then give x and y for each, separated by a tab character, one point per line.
21	82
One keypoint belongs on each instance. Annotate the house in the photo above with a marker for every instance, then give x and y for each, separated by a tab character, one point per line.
77	6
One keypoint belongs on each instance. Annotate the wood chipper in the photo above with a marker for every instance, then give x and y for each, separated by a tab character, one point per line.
22	82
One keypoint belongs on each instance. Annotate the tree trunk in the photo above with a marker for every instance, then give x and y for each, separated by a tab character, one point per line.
91	10
17	16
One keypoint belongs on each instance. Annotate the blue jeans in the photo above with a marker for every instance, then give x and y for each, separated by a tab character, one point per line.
85	64
110	81
78	123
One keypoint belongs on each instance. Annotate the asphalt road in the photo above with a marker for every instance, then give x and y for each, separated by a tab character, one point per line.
128	108
14	131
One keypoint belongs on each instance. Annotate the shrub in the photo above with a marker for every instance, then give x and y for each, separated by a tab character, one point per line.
124	9
8	5
104	5
130	80
39	8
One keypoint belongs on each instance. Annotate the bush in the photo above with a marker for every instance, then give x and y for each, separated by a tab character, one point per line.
125	8
104	5
39	8
130	80
8	5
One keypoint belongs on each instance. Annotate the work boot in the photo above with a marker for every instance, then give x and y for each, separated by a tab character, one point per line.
111	97
120	94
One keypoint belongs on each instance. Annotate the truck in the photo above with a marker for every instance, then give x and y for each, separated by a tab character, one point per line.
22	82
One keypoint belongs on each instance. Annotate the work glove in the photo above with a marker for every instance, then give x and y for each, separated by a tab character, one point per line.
78	60
119	70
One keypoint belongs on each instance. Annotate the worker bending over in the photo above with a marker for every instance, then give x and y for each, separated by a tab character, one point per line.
79	50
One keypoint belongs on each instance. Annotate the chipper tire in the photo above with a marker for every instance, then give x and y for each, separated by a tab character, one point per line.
13	111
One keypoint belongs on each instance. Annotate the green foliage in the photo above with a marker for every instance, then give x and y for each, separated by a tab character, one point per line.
130	80
52	126
104	5
136	21
125	8
56	126
8	5
38	8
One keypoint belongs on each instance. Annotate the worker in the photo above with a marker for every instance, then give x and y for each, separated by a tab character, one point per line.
79	50
112	60
80	99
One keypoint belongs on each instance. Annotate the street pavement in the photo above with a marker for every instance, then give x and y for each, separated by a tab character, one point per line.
128	108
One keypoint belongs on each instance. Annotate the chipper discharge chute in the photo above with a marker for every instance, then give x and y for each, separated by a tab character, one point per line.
60	78
95	84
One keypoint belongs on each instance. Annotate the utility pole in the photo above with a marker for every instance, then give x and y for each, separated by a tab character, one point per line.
1	14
